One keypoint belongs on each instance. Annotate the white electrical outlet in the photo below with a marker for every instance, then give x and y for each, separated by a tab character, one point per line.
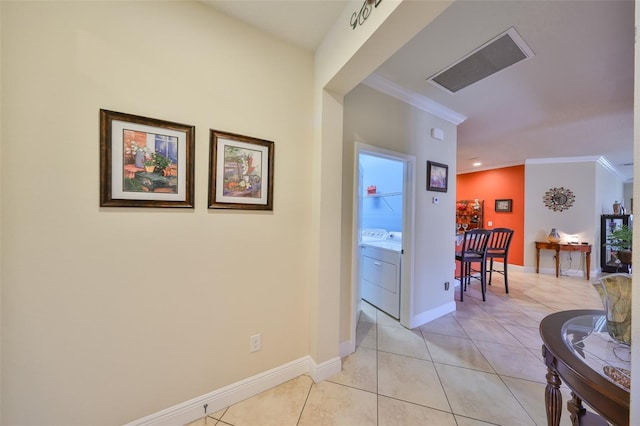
255	343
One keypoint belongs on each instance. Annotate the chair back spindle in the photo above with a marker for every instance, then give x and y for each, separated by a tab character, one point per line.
473	250
498	248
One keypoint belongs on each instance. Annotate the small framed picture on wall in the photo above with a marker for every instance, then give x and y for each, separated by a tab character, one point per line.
503	206
145	162
240	172
437	176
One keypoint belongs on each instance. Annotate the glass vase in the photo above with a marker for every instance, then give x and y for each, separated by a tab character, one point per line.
554	236
615	292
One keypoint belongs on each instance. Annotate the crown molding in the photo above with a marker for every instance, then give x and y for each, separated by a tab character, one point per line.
423	103
589	159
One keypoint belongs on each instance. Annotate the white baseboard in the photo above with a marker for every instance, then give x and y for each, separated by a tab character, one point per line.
323	371
430	315
568	273
347	348
193	409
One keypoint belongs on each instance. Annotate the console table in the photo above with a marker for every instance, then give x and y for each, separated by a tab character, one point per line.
578	351
558	247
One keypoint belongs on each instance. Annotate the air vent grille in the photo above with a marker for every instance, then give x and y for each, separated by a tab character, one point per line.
503	51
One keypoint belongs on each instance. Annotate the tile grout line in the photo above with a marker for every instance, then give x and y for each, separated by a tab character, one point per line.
305	403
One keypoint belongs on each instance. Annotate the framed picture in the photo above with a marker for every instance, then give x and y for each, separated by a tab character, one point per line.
437	176
503	206
145	162
240	172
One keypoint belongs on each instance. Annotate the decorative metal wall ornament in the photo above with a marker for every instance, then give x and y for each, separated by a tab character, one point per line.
358	18
558	199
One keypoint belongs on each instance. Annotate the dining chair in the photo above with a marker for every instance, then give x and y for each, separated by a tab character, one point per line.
498	248
473	250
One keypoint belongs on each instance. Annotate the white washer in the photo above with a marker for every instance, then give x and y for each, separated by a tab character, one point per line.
380	264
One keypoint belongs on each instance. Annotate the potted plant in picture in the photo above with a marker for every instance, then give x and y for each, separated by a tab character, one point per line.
161	162
149	165
621	240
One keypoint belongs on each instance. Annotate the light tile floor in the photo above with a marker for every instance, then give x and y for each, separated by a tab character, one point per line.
476	366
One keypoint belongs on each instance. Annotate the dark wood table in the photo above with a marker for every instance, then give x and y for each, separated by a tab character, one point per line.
558	247
564	365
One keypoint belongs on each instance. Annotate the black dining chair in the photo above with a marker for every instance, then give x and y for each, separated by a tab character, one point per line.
473	250
498	248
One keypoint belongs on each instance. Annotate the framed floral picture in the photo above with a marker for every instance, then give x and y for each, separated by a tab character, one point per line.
145	162
437	176
240	172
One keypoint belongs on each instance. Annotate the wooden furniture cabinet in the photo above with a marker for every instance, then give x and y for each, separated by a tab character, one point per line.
471	213
558	247
609	261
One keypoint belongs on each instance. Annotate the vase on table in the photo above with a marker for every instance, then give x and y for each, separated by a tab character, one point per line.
615	292
554	236
616	207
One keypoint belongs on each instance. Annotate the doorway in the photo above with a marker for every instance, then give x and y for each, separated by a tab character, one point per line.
383	231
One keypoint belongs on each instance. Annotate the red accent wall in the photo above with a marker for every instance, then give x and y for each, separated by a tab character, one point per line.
495	184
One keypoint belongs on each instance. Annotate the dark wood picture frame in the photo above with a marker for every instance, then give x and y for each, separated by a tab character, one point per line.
145	162
437	176
504	205
240	172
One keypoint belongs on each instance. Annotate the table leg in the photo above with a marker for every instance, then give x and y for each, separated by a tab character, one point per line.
588	262
557	261
537	260
553	398
576	409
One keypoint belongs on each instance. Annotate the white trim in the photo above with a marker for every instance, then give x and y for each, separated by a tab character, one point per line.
611	168
430	315
408	243
408	226
588	159
193	409
388	87
323	371
552	271
347	348
565	273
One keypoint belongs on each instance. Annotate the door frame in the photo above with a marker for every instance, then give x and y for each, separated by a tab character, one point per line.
408	229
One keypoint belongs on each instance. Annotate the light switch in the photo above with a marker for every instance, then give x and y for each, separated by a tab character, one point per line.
490	223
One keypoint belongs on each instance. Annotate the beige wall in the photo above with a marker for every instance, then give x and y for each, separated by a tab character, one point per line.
608	188
377	119
110	314
594	188
346	57
89	337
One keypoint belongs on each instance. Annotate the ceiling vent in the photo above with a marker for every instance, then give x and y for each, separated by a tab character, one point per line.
503	51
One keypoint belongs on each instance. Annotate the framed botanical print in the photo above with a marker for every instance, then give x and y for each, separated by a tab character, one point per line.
240	172
145	162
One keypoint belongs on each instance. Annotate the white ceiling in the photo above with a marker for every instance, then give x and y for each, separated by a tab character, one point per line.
574	98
